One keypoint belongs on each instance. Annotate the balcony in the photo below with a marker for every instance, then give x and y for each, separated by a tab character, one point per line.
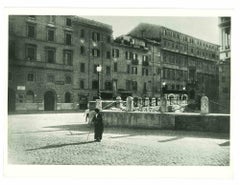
134	61
145	63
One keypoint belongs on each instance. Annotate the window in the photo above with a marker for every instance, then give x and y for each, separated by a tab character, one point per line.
30	77
134	70
68	80
94	84
115	67
108	86
68	22
108	55
50	55
82	50
50	35
135	56
67	97
144	58
134	85
31	31
115	53
82	33
95	36
68	38
82	67
108	39
67	57
96	52
20	98
144	71
52	19
82	84
128	85
30	52
127	55
145	86
29	97
108	70
50	78
128	69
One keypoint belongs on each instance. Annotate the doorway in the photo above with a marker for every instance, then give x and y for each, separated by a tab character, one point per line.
49	101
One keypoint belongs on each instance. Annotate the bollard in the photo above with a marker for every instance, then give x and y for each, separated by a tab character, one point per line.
204	105
118	102
129	103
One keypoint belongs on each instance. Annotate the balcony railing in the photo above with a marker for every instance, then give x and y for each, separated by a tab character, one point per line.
135	61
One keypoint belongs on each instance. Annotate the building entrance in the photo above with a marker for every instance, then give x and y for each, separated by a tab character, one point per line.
11	100
49	101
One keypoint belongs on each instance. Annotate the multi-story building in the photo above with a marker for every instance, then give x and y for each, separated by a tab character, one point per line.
186	63
224	64
52	61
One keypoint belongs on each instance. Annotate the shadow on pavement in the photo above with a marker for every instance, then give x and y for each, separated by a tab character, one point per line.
141	131
227	143
171	139
60	145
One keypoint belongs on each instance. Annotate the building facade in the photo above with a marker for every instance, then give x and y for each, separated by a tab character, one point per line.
224	65
181	63
53	63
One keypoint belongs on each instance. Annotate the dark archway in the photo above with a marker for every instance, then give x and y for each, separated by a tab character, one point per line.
11	100
49	101
67	97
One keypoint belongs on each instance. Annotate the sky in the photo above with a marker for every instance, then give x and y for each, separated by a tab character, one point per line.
205	28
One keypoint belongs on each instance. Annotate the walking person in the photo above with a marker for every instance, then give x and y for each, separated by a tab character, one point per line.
98	126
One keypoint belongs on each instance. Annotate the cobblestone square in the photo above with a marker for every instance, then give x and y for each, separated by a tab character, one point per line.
64	139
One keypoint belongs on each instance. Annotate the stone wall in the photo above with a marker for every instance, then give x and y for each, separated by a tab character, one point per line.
191	121
139	119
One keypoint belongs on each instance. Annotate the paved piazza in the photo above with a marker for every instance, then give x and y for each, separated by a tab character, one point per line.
63	139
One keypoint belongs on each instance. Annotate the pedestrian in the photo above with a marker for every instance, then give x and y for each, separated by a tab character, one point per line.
98	126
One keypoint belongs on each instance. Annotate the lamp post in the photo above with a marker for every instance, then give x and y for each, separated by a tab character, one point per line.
163	88
99	69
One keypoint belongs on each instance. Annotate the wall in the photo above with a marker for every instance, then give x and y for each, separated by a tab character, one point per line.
191	121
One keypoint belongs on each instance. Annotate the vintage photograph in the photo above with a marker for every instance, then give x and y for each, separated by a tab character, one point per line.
119	90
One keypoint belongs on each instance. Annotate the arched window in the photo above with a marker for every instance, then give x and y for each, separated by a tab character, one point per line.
30	97
67	97
68	80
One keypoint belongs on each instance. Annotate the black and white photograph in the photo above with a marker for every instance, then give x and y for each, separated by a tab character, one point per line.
158	93
137	91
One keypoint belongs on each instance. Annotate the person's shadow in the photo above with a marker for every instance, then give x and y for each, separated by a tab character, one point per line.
60	145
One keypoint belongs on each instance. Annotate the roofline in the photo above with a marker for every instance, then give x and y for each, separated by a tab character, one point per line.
160	26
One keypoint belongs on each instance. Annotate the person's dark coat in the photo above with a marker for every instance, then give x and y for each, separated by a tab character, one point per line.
98	127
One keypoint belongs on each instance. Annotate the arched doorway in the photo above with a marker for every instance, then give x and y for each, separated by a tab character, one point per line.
49	101
11	100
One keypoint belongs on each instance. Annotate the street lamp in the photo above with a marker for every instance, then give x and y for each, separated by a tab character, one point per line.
163	88
99	69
